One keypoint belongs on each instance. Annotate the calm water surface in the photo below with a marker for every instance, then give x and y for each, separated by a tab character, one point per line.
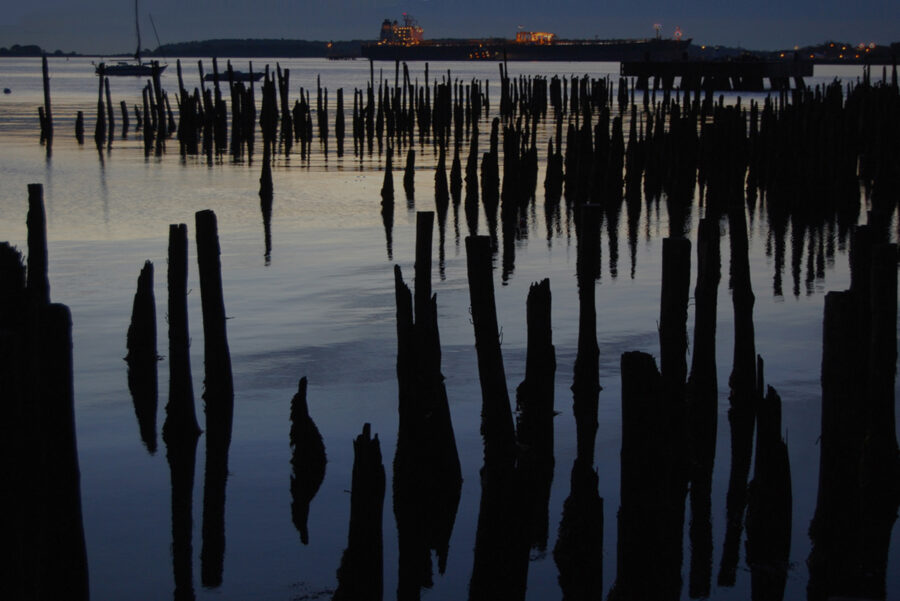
324	308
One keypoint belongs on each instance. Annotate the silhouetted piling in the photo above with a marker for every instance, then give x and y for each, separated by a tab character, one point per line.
47	121
646	515
427	474
586	382
744	393
100	124
307	461
45	556
673	343
110	115
266	196
64	560
409	178
218	396
181	419
142	357
534	408
769	499
387	203
501	544
471	181
579	544
361	574
161	124
702	407
858	493
339	122
124	108
442	204
79	127
38	281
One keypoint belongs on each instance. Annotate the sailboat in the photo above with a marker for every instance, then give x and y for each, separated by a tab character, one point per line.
134	68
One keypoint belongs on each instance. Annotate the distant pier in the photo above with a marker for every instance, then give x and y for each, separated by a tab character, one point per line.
720	75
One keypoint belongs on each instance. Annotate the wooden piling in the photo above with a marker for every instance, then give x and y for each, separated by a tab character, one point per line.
218	396
181	419
586	385
142	357
79	127
38	281
702	406
361	574
63	564
534	408
744	394
497	424
47	122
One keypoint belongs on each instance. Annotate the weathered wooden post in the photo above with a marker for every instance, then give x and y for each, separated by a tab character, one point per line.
142	357
38	280
361	573
702	406
218	396
387	202
47	122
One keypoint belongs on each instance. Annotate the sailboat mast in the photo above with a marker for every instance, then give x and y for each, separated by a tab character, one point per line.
137	28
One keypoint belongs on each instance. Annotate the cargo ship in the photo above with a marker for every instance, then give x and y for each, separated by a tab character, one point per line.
404	40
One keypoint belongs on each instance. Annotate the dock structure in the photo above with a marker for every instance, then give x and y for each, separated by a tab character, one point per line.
720	75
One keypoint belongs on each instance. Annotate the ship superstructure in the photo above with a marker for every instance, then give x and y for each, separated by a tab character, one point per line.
407	33
405	41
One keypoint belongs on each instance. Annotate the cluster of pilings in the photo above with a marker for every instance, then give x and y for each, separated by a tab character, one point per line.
45	555
801	154
859	467
181	430
669	413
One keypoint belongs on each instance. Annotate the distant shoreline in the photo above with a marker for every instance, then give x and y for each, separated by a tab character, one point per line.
829	52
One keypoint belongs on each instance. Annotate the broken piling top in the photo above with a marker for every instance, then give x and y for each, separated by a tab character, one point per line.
299	408
181	418
141	337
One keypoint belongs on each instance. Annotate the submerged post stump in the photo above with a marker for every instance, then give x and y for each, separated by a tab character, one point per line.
307	461
361	574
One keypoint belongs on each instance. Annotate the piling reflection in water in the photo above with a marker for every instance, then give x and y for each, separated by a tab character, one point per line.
427	474
307	461
180	430
387	203
142	357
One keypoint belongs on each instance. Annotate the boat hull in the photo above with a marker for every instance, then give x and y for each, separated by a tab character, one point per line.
127	70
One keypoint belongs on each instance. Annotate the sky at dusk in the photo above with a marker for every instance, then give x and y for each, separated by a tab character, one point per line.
107	26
